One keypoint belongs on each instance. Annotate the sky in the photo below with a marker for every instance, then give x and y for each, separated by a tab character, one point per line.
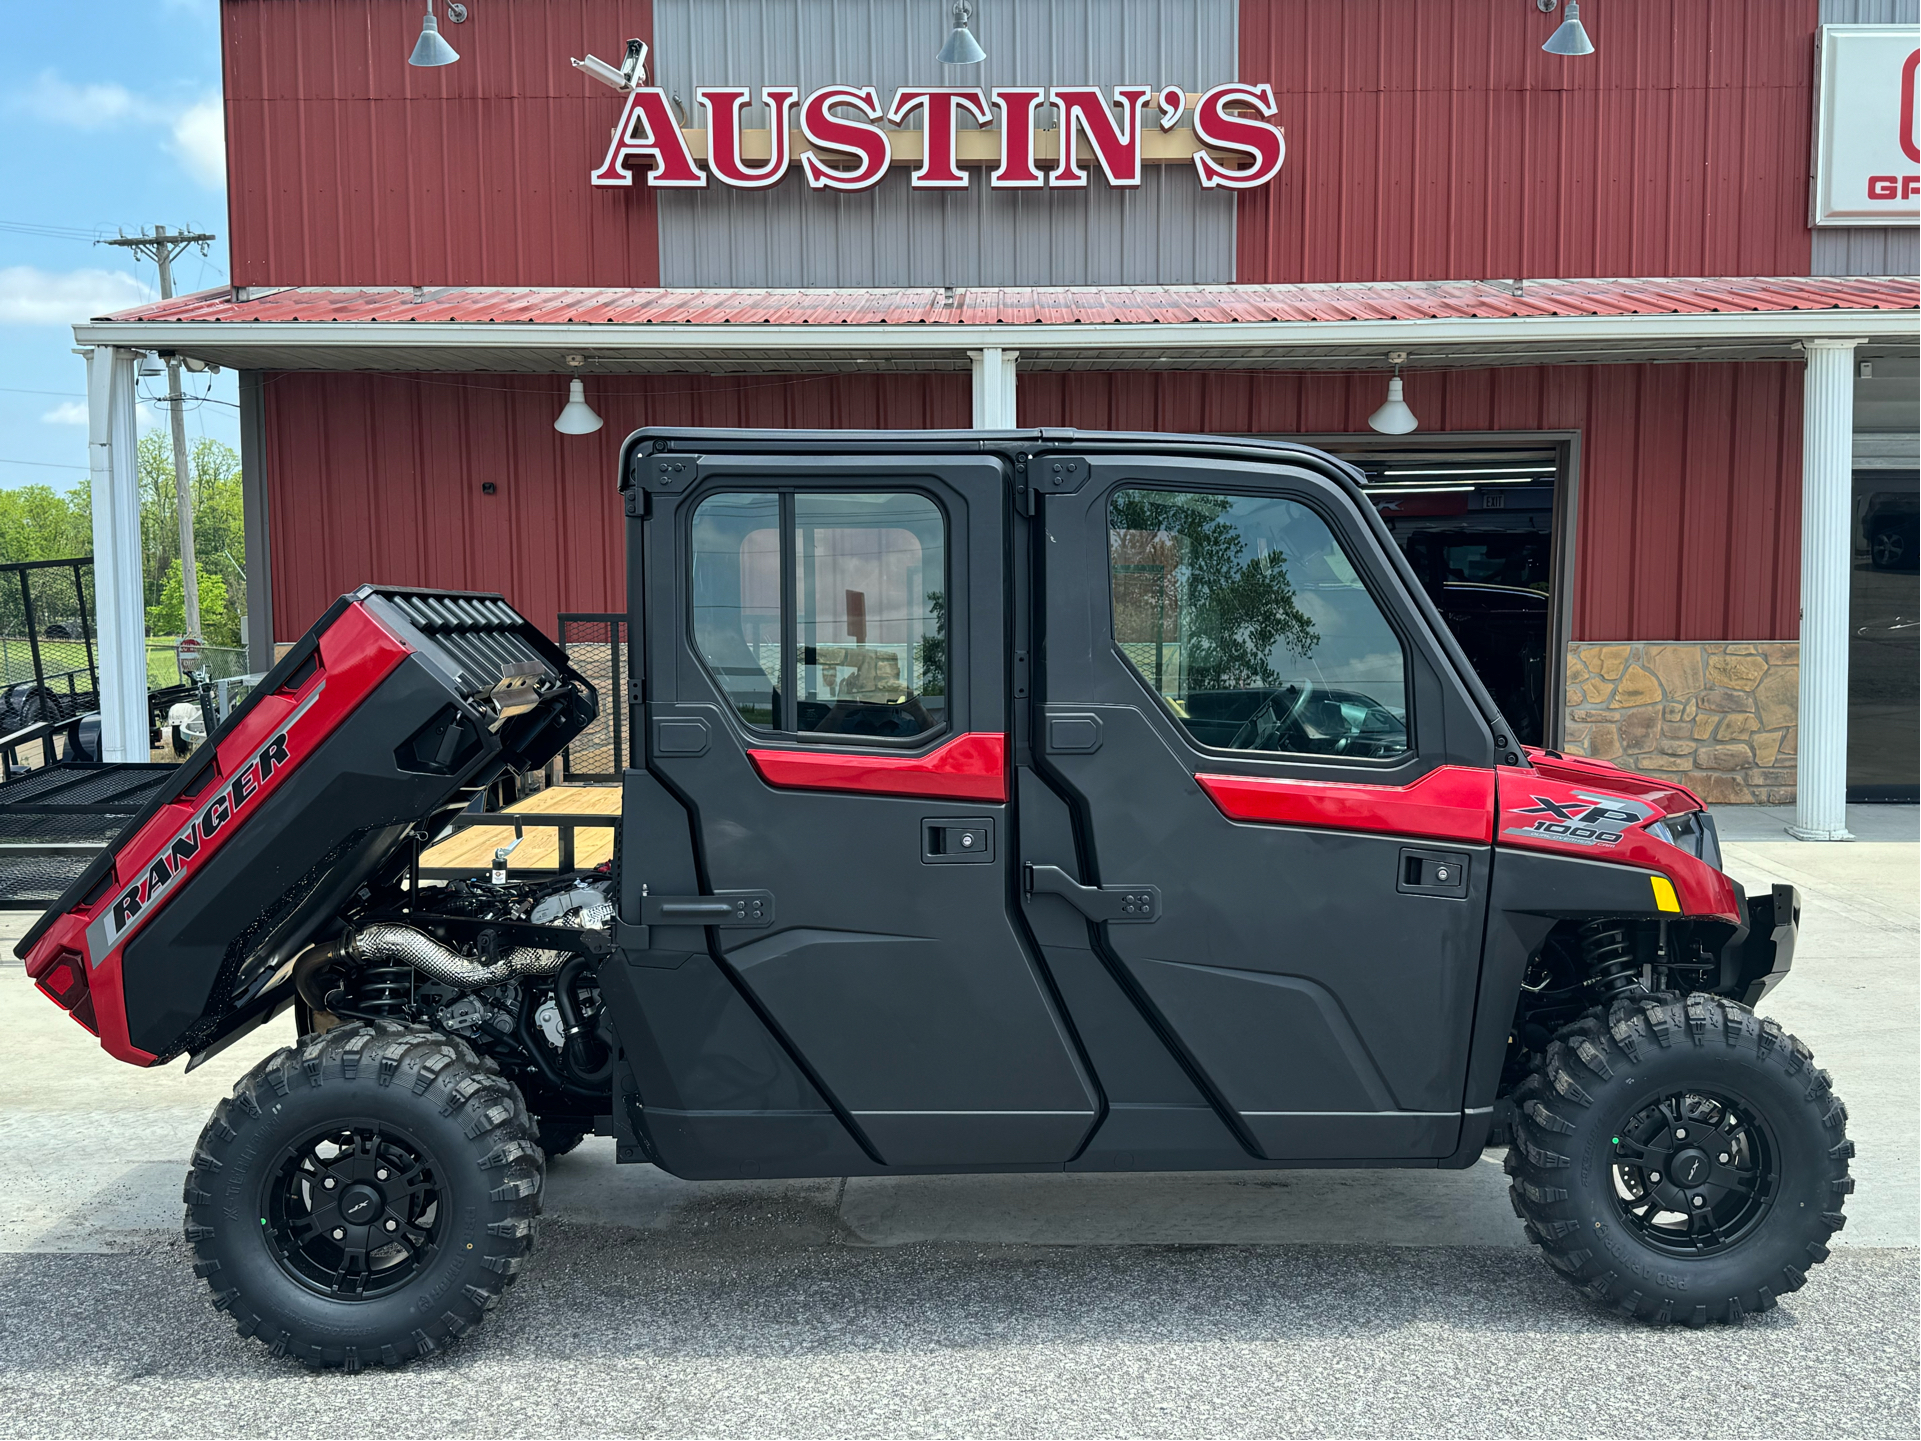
111	113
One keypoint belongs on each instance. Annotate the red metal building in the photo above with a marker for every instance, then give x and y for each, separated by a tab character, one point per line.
1601	272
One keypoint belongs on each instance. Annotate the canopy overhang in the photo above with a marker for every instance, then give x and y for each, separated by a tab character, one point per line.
1307	327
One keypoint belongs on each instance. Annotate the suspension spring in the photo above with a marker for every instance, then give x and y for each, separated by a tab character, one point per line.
1608	950
384	990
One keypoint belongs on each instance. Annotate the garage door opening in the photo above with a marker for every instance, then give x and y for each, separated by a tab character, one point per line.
1484	522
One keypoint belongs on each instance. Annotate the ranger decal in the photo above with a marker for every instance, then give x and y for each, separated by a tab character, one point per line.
131	906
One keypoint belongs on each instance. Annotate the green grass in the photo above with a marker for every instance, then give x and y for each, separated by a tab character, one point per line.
60	656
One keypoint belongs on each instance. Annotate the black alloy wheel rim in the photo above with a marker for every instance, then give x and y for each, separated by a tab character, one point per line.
1694	1172
353	1212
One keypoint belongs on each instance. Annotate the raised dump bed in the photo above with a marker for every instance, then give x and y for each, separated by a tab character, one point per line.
388	718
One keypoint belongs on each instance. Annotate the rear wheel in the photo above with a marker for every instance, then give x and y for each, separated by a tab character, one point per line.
1680	1160
364	1198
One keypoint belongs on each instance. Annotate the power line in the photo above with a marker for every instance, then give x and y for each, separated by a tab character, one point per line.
50	232
44	464
60	394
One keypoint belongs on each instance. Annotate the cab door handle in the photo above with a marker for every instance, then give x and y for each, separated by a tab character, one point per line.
1117	905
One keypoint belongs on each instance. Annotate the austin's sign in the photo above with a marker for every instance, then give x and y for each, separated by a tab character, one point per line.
843	139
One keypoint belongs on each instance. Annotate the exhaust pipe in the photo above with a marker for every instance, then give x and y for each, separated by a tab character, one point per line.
386	943
438	962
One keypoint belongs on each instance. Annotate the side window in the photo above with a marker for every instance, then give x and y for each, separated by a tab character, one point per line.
870	600
855	642
1246	617
736	576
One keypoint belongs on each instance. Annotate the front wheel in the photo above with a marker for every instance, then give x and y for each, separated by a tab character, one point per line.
365	1197
1680	1159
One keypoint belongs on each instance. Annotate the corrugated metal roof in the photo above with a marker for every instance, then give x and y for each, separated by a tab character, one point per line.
1225	305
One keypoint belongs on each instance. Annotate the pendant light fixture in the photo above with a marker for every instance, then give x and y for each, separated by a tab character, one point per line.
430	49
577	417
961	47
1570	37
1394	418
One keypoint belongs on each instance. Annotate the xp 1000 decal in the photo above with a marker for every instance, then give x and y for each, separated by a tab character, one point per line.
183	853
1581	817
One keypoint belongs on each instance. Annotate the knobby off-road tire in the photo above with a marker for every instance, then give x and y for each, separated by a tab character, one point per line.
422	1140
1576	1186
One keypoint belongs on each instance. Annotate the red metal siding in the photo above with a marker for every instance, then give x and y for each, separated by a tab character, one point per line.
377	477
1689	525
1436	140
349	167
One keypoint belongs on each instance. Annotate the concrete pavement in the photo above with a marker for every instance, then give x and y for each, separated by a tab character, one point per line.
1357	1302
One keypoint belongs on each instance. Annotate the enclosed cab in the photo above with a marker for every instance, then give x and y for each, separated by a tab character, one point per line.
1029	801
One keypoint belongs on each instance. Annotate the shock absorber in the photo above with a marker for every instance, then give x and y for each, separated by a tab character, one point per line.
1608	950
384	990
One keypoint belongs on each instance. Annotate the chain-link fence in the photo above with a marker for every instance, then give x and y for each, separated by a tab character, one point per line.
597	645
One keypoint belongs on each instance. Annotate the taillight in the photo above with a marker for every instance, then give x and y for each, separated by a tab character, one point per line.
65	984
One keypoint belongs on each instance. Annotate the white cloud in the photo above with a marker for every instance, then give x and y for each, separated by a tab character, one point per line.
198	131
67	412
43	297
84	107
200	143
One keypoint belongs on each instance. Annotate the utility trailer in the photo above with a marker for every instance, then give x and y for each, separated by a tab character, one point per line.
1035	801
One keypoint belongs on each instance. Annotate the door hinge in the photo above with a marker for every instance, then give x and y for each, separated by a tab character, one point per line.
1120	905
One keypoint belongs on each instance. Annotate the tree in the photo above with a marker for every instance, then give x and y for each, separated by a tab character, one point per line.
40	523
219	534
169	615
1232	612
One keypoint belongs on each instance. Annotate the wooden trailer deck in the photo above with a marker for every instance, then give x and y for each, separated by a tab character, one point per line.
557	819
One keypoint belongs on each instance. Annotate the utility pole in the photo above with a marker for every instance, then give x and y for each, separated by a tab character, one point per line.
161	248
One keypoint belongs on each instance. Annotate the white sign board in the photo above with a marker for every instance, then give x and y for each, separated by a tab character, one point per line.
1867	155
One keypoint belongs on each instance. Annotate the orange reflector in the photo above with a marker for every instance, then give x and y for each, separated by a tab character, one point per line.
1664	897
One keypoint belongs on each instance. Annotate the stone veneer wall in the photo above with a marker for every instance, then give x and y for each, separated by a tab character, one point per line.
1718	716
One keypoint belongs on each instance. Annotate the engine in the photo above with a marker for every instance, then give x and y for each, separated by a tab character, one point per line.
461	959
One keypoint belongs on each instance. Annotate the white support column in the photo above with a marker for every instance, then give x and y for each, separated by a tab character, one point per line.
118	595
1827	491
993	388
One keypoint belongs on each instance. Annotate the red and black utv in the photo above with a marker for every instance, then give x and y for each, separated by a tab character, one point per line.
996	802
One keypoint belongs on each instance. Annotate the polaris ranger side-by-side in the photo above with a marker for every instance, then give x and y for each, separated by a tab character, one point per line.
997	802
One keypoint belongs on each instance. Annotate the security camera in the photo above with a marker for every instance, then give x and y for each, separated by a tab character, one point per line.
631	74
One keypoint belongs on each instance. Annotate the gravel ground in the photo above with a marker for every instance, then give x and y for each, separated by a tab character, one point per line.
625	1333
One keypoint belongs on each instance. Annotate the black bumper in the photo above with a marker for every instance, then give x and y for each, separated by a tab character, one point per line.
1762	952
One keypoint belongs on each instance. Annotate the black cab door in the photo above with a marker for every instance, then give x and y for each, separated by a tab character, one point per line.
1247	716
829	704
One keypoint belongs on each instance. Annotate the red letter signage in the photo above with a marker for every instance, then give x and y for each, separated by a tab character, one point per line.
825	130
938	168
844	145
723	107
1016	170
1085	111
1260	142
647	129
